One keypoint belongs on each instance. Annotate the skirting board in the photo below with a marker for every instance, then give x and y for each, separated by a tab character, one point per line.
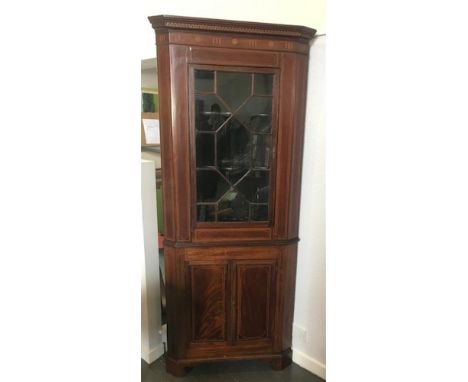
152	355
308	363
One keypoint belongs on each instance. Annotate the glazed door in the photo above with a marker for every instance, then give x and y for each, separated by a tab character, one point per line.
234	144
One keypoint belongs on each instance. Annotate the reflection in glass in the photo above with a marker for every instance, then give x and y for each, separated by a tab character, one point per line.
206	212
263	84
233	150
210	186
261	147
256	114
255	186
259	212
205	153
204	81
233	207
210	113
234	88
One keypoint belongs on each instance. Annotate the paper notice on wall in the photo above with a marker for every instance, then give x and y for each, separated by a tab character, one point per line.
151	127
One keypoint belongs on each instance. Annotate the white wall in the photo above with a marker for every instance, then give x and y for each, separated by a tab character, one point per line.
151	340
149	78
309	313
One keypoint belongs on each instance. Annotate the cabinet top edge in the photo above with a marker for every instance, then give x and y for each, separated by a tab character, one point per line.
230	26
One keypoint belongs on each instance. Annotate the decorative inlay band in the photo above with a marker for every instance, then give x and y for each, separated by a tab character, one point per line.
186	244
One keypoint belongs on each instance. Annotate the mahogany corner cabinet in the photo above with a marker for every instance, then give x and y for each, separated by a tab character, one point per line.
232	107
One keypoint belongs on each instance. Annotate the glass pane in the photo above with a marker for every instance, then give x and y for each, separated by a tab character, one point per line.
261	151
210	113
255	186
233	207
256	114
263	84
205	151
233	144
206	212
259	212
233	150
204	81
210	186
234	88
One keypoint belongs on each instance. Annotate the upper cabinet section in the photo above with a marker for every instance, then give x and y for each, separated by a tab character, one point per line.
232	98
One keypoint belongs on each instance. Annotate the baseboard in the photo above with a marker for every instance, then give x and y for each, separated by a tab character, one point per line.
152	355
308	363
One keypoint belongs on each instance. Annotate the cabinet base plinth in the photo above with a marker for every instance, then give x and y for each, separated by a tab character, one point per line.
176	369
180	368
282	362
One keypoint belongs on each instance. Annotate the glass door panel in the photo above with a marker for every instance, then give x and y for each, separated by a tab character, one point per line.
233	144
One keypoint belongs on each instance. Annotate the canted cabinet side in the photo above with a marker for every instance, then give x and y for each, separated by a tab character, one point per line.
232	106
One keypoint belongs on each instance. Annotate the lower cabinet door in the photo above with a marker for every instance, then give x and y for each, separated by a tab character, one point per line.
231	302
255	283
208	299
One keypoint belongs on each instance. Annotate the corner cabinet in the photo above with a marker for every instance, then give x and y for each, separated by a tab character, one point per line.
232	100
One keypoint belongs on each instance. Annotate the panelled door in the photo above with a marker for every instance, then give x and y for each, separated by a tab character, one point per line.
255	299
208	295
232	298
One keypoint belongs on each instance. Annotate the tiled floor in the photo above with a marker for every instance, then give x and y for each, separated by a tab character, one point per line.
244	371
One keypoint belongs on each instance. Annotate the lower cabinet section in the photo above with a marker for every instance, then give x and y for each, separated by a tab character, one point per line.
232	299
230	303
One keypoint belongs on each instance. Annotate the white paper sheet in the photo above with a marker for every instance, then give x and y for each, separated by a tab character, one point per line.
151	127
